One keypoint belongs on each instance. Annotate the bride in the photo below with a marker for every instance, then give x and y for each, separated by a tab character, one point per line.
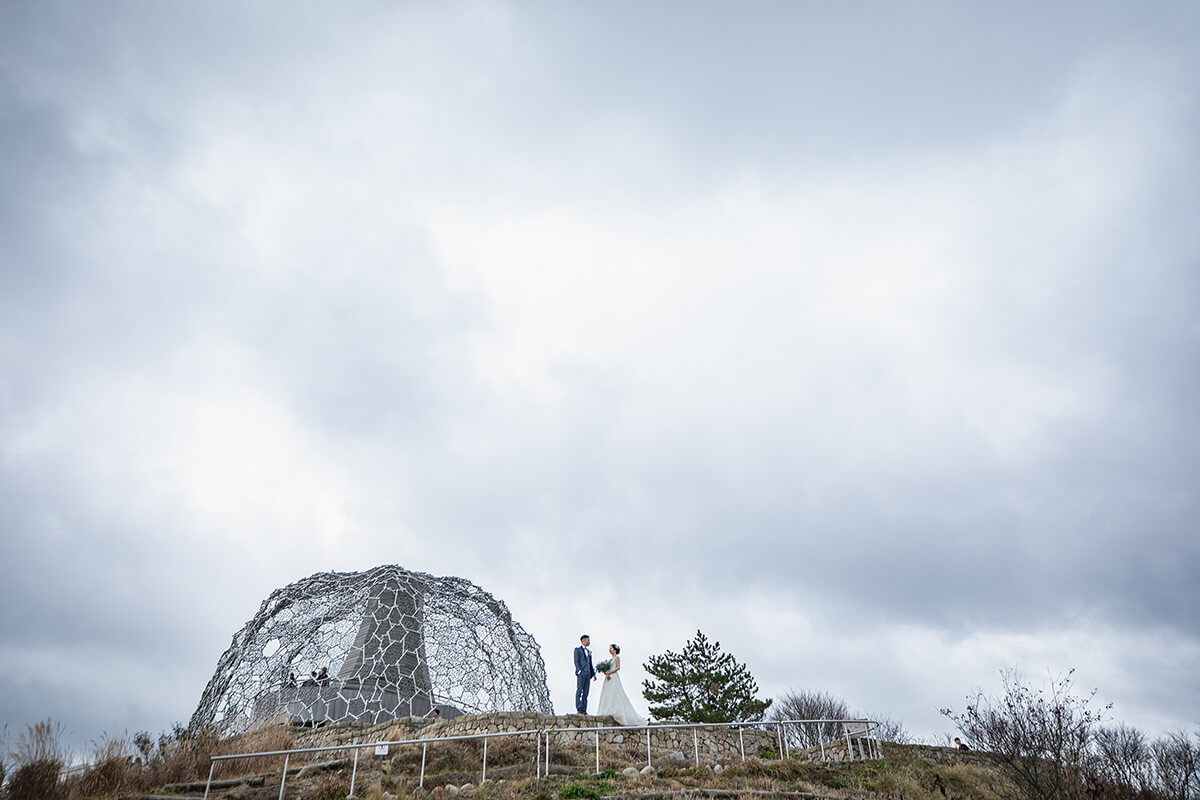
613	702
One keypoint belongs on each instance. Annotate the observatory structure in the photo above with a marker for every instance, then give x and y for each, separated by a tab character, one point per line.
373	646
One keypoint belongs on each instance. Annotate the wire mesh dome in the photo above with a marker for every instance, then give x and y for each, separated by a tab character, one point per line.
372	646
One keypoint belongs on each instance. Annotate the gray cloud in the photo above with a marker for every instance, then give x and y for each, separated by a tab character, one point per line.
866	345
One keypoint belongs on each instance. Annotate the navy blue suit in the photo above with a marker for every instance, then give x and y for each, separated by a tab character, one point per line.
584	672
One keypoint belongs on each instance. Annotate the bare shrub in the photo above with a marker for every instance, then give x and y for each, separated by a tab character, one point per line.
807	704
1121	763
1042	737
891	730
1176	766
3	756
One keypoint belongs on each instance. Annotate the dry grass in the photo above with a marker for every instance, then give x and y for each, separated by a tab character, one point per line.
111	772
40	742
260	740
38	763
116	767
118	770
36	780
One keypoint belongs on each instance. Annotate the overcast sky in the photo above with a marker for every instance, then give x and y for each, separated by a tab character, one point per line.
863	337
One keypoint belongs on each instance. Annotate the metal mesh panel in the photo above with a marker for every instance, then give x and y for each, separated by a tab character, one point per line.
372	646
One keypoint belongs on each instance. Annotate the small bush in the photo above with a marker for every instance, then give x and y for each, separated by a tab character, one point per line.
576	792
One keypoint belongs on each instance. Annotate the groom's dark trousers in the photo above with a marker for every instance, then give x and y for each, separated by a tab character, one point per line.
584	672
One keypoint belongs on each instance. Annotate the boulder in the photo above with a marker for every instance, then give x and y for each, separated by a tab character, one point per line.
648	770
630	772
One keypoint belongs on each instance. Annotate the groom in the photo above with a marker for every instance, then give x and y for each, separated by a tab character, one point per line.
584	671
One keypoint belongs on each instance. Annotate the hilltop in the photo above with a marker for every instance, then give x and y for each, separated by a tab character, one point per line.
177	769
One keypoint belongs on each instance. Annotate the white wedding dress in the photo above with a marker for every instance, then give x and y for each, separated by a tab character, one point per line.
614	703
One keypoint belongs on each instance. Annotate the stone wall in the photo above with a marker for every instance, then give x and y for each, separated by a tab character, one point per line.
716	745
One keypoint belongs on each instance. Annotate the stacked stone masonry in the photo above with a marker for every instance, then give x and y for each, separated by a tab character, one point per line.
719	745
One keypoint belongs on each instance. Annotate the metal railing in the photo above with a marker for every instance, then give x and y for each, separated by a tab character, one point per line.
858	731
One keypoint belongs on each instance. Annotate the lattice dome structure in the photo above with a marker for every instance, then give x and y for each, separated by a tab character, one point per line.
372	646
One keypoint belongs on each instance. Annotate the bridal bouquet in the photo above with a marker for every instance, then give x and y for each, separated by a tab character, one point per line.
604	666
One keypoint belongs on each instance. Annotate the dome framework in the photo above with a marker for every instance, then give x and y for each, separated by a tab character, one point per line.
372	646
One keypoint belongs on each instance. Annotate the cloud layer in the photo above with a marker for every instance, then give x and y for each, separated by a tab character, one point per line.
868	346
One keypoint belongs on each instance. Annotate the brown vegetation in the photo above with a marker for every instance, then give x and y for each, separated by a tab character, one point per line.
1052	745
1121	765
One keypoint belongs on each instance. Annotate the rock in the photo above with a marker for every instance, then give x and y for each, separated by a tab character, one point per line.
677	758
620	737
675	786
451	790
718	769
648	770
630	772
466	787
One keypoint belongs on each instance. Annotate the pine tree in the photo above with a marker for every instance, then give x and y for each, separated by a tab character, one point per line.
702	684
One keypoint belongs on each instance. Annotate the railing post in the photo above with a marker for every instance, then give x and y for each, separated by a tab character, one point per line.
424	748
208	785
283	777
597	752
849	746
787	746
821	741
537	759
483	777
354	772
648	764
779	733
696	745
547	754
742	743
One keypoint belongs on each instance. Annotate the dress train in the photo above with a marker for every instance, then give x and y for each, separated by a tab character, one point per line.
614	703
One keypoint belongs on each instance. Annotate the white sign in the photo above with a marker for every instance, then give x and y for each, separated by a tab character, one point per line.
381	749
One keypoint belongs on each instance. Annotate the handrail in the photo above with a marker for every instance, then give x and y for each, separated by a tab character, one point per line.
872	726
